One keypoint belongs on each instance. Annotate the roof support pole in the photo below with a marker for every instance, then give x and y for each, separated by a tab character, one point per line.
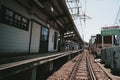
102	41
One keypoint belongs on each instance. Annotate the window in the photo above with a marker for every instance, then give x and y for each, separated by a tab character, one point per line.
12	18
55	40
44	35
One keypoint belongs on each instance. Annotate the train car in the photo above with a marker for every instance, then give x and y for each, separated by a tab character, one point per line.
98	44
91	43
96	49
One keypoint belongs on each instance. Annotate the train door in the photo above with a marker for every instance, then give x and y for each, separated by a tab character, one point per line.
44	39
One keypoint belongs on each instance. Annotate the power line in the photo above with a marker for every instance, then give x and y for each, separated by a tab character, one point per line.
73	8
78	13
117	16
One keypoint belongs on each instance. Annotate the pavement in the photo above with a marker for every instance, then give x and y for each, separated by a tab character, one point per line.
107	70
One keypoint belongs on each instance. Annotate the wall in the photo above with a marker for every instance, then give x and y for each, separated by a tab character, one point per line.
15	40
51	40
35	39
12	39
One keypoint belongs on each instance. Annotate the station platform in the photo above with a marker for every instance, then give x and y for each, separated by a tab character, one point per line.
14	65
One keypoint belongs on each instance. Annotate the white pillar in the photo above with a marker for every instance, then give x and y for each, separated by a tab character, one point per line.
33	76
118	37
112	40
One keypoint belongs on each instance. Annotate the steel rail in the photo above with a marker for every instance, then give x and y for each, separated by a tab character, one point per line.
75	68
92	75
109	78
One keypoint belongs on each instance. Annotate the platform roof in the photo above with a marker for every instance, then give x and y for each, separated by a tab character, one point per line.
57	11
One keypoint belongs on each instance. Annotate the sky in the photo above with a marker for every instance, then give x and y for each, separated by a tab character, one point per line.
102	12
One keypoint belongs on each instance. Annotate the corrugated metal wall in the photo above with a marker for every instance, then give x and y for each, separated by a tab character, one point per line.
13	39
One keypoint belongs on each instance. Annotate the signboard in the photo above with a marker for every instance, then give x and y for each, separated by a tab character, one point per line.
113	30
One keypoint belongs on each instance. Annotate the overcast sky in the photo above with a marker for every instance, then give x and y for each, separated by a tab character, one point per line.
102	12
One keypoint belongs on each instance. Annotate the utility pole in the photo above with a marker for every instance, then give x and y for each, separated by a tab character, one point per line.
75	8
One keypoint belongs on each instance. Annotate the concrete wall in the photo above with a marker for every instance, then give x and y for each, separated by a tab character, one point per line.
76	46
71	46
51	40
35	38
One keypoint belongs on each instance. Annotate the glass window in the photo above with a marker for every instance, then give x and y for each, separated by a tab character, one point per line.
9	13
55	40
18	17
44	35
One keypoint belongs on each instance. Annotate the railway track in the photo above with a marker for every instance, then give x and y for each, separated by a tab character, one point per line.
81	67
90	70
100	74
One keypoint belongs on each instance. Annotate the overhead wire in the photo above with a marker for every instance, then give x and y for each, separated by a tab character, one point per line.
117	16
78	15
84	19
85	15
